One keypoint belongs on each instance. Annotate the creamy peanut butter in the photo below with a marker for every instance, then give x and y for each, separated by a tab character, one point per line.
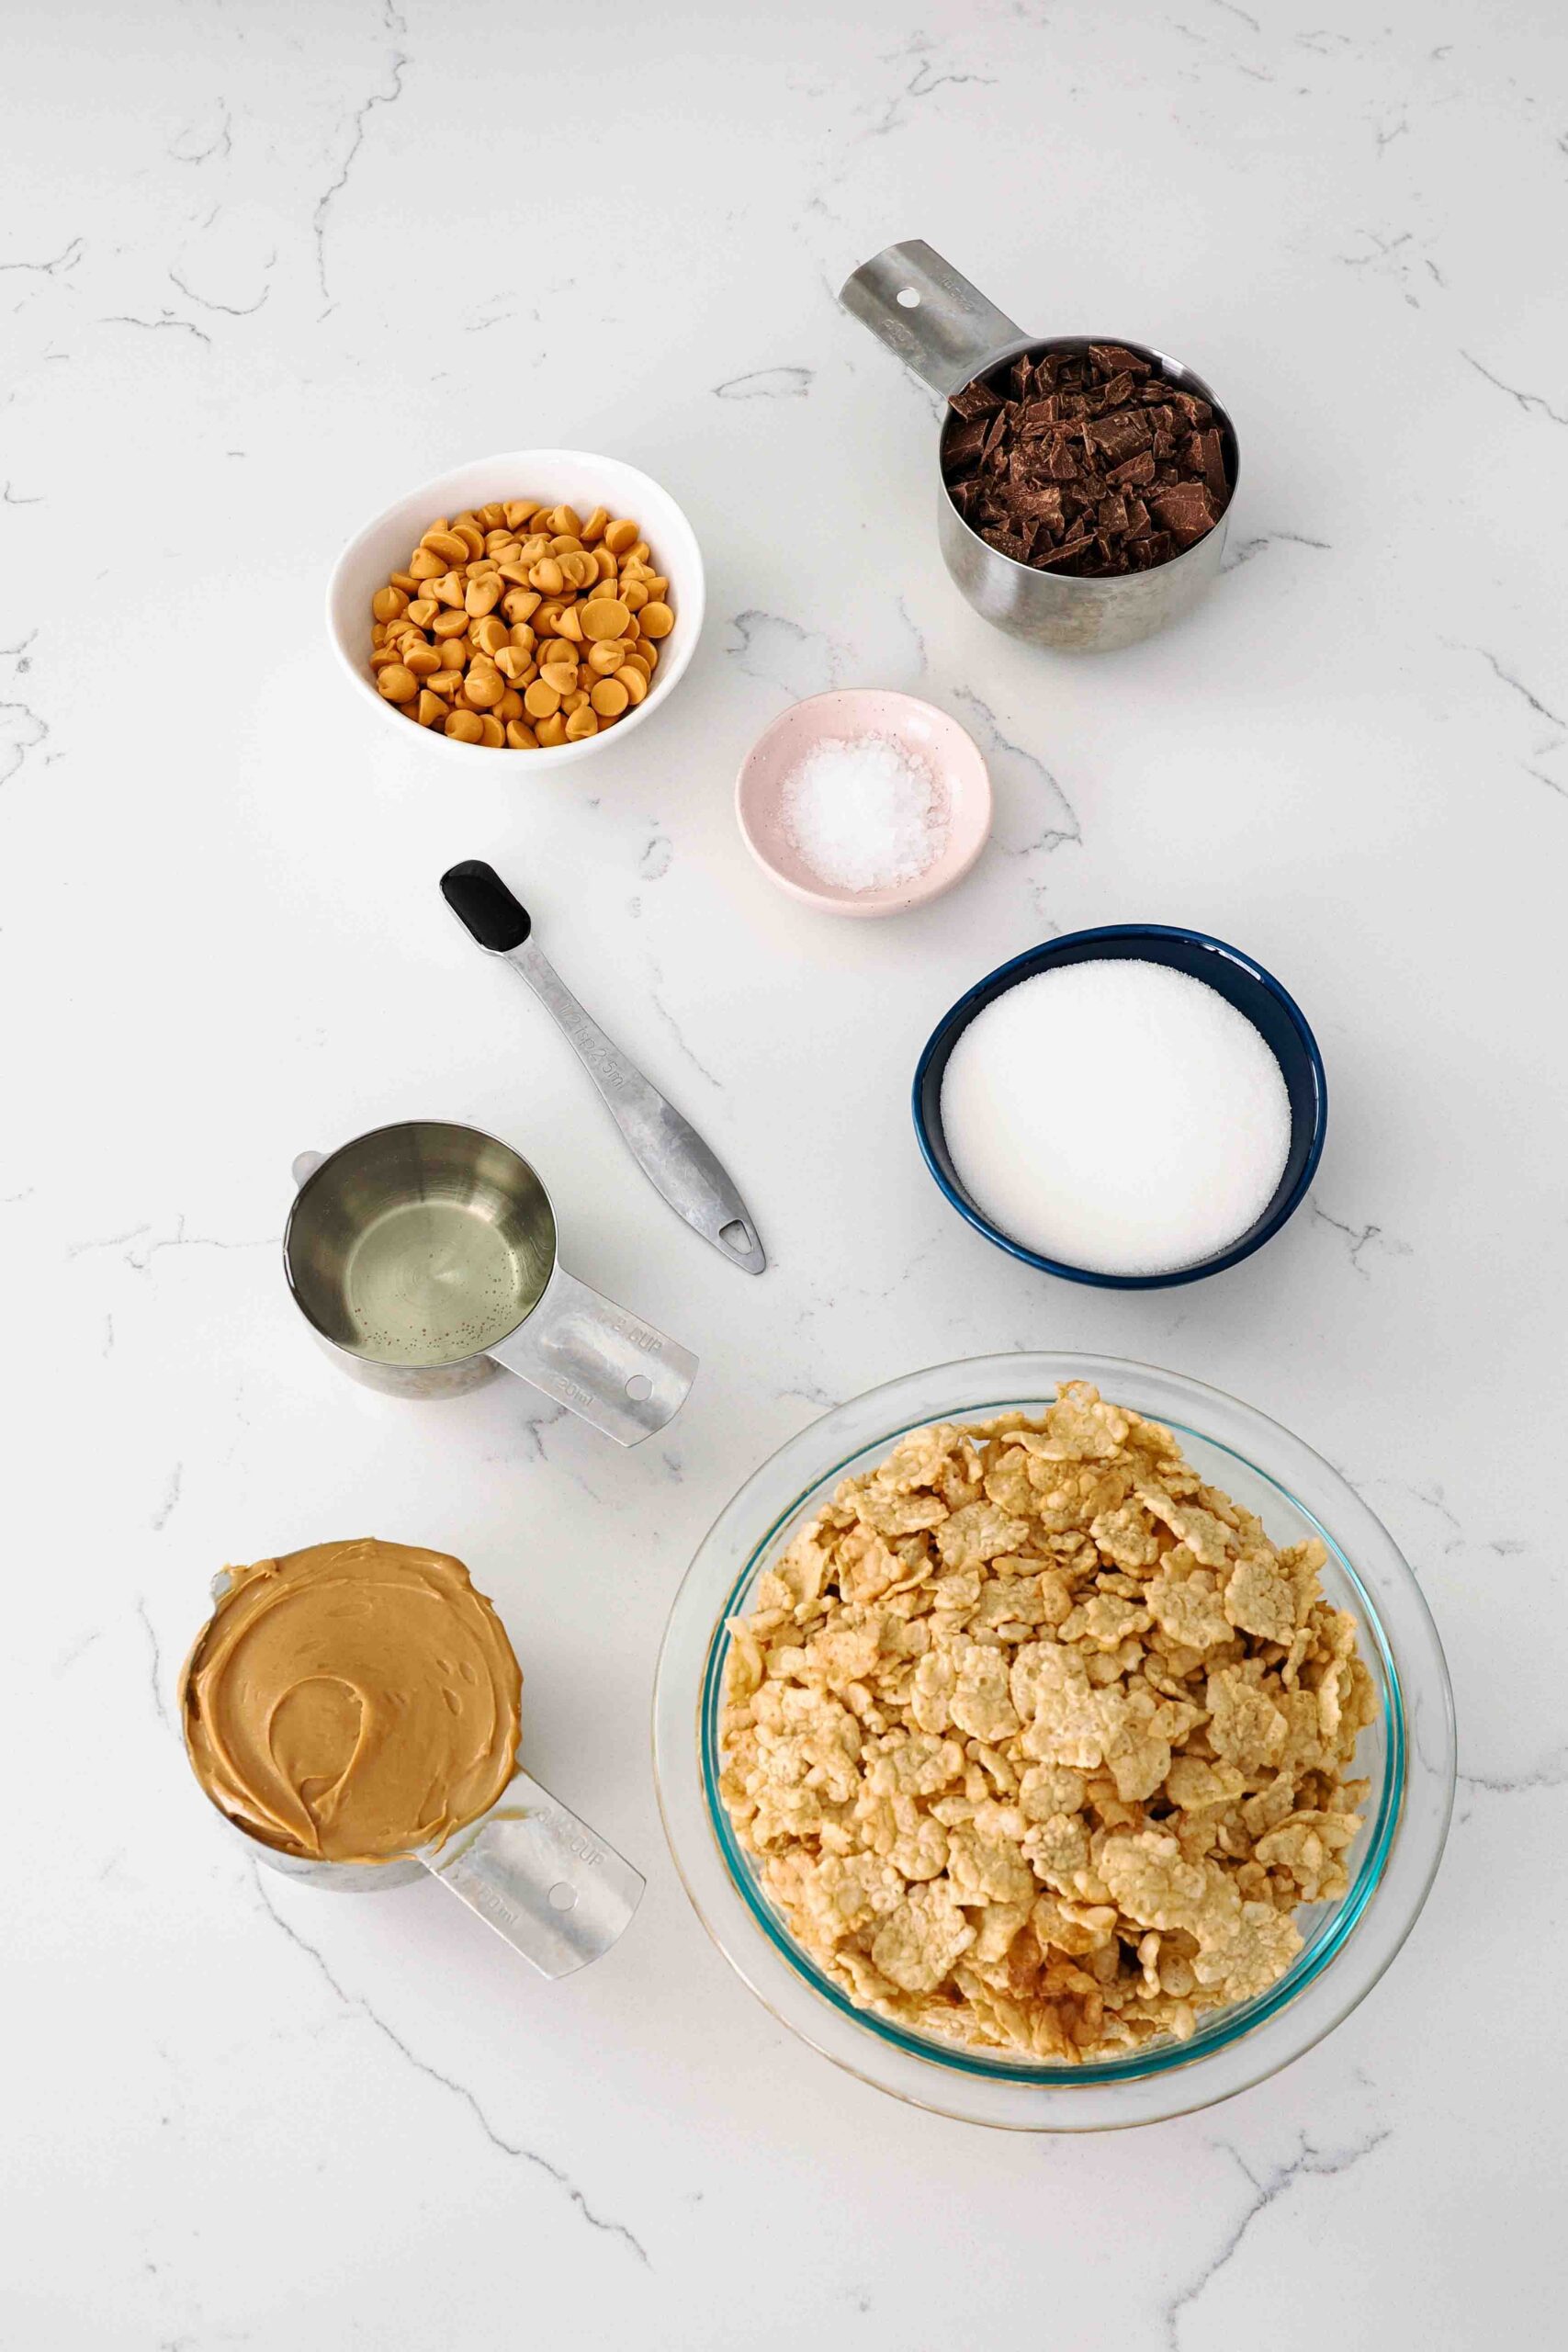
353	1702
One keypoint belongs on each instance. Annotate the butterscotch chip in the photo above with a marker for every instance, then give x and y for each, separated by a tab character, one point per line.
432	710
520	736
604	617
582	723
656	619
466	726
397	684
609	697
541	700
620	536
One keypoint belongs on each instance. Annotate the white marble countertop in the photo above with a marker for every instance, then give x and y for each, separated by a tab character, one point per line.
265	266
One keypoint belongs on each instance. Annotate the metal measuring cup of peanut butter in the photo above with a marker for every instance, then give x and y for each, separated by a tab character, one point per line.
947	333
551	1885
424	1257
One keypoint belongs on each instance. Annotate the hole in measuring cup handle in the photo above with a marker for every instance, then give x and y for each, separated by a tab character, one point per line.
639	1387
909	300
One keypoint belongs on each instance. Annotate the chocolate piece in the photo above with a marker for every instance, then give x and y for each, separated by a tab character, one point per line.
976	399
1187	511
1042	504
1138	469
1116	438
965	442
1203	455
1038	417
1114	359
1070	548
1045	458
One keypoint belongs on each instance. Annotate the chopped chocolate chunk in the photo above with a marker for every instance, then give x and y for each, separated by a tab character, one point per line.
1204	457
1042	504
1037	417
1046	456
966	440
1114	359
1195	411
976	399
1137	471
1115	438
1187	511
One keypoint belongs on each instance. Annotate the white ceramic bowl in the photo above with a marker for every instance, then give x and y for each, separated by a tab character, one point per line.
568	476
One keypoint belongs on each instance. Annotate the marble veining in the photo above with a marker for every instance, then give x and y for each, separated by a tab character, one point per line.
261	270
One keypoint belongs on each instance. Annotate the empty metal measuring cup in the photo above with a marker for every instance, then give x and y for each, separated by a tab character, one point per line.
946	333
424	1256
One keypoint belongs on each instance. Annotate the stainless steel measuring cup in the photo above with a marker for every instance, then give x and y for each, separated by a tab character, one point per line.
554	1889
424	1257
946	333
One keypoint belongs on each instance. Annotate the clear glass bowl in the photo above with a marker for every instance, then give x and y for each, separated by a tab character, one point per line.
1408	1754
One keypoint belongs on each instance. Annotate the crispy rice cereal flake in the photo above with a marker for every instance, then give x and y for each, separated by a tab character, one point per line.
1038	1742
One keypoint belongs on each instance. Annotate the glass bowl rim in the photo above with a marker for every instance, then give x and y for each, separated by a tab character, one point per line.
1276	2026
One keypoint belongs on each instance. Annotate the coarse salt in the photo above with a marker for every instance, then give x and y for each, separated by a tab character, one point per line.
1116	1116
864	813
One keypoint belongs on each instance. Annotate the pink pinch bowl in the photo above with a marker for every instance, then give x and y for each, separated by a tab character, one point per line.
926	734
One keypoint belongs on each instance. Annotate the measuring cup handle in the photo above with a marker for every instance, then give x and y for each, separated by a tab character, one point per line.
600	1362
942	328
538	1875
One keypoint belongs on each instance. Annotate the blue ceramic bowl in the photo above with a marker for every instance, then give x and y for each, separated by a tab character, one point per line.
1241	982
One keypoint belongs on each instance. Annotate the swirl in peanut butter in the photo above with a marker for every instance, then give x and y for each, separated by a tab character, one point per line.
353	1702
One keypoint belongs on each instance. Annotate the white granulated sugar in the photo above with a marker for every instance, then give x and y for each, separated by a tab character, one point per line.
1118	1116
864	813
